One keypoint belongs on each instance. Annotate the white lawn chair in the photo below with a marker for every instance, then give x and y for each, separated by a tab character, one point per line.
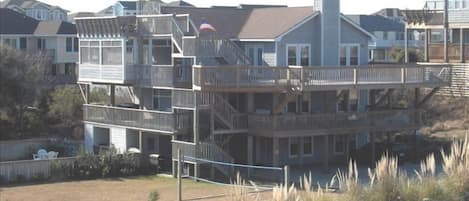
52	155
41	155
134	150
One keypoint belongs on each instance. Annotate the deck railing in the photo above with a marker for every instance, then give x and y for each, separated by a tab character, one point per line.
364	121
163	75
161	25
318	78
216	48
149	120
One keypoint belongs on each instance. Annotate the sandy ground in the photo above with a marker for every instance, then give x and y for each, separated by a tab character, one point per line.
115	190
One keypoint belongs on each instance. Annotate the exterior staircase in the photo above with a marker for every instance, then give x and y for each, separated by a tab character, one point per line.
211	151
229	116
289	96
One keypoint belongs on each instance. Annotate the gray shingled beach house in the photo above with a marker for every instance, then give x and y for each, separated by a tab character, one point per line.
259	85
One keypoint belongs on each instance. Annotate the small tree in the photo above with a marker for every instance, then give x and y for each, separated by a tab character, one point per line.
66	105
21	78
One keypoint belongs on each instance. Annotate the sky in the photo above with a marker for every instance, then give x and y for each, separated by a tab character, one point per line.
347	6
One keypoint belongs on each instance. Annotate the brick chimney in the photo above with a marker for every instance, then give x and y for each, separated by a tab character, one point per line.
330	30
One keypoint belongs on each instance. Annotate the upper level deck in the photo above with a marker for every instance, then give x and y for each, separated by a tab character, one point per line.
274	79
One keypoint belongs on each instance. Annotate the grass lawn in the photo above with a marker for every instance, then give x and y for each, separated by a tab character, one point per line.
125	189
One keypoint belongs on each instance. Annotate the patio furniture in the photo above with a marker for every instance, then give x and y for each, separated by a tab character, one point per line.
52	155
41	155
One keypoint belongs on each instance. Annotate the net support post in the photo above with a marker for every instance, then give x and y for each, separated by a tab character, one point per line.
286	175
179	172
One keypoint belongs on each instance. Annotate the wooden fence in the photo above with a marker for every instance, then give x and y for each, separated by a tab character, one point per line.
27	170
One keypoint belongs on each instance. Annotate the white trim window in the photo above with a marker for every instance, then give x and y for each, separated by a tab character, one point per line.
89	52
349	54
298	55
112	52
339	144
71	44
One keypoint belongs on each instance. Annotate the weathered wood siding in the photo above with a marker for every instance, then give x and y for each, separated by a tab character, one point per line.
20	149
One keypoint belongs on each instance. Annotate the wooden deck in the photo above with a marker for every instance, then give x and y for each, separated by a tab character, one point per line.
275	79
154	121
335	124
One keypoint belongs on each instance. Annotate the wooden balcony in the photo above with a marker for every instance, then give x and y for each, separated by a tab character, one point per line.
274	79
154	121
342	123
436	53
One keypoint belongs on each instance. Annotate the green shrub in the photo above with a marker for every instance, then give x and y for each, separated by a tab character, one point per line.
154	196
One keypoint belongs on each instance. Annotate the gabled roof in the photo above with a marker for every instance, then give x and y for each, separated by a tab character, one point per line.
179	4
270	23
239	23
372	23
54	27
12	22
26	4
129	5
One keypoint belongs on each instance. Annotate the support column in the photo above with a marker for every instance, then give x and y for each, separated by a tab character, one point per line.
250	103
461	43
373	149
325	159
417	121
140	140
250	153
427	41
196	141
275	152
347	148
88	93
406	45
113	95
446	32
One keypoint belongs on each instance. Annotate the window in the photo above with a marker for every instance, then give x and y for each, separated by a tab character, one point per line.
305	103
353	100
129	51
294	146
69	44
162	100
339	144
112	52
349	55
385	35
256	53
342	102
11	42
308	147
23	43
436	36
161	52
89	52
298	55
41	44
300	146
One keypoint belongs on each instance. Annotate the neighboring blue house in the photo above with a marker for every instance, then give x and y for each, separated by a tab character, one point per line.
389	34
124	8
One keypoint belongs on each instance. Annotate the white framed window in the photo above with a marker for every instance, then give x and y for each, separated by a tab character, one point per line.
349	54
112	52
71	44
339	144
298	54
